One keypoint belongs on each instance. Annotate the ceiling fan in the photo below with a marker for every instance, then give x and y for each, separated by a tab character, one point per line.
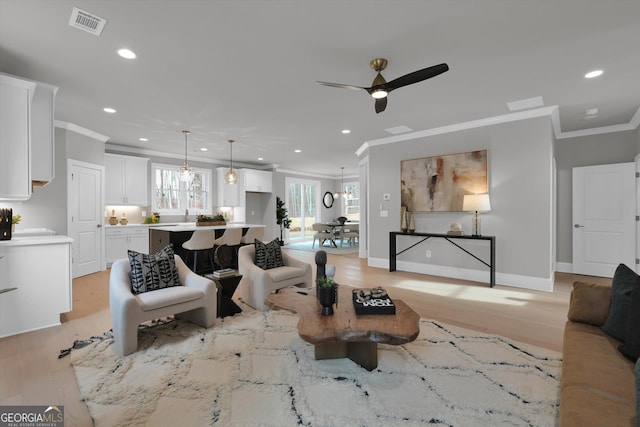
380	88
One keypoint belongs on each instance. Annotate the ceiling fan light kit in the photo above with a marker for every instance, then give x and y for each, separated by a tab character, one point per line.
380	88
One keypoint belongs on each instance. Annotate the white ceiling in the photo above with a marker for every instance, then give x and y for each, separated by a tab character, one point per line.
246	70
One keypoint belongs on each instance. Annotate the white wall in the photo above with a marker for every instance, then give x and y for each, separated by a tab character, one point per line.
520	157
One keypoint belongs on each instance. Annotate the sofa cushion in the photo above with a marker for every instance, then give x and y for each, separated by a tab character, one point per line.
623	282
589	303
153	272
285	273
168	296
268	255
631	346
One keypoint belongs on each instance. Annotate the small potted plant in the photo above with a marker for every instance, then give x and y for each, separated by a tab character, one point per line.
217	219
15	219
327	295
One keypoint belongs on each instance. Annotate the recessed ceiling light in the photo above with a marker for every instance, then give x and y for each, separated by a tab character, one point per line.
346	131
297	151
260	158
594	73
204	149
109	110
143	139
591	111
126	53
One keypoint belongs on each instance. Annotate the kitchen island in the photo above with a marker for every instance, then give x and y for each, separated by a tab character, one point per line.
161	235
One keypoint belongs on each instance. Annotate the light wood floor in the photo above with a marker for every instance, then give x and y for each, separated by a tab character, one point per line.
31	373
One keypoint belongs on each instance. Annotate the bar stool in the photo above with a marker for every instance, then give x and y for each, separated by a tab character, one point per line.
200	240
252	234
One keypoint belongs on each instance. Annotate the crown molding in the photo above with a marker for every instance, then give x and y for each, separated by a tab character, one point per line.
80	130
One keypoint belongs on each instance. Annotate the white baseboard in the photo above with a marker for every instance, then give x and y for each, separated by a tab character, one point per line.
564	267
505	279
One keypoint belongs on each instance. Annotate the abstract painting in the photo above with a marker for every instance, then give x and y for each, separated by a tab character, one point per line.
439	183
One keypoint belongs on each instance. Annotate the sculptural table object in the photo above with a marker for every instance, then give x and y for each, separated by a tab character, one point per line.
345	334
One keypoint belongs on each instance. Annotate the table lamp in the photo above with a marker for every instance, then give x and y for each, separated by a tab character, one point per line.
476	203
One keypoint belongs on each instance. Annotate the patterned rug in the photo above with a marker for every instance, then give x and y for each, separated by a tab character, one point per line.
253	370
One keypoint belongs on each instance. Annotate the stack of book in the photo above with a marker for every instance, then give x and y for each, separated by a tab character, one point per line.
225	272
373	301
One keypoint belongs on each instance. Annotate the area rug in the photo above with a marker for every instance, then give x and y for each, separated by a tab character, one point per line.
306	246
253	370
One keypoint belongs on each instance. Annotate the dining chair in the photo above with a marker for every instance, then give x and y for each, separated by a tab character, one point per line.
349	232
322	233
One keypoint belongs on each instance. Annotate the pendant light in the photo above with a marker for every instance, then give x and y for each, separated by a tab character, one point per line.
186	174
231	177
345	194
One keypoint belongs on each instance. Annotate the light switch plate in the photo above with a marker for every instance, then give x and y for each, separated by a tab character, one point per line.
384	214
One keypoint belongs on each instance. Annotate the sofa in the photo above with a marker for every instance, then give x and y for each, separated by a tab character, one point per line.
259	281
598	383
194	299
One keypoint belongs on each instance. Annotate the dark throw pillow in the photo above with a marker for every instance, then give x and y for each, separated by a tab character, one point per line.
623	282
631	346
268	255
153	272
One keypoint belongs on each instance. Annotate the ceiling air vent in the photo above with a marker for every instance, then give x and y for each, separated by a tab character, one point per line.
87	22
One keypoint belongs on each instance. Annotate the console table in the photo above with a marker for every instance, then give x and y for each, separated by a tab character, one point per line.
425	236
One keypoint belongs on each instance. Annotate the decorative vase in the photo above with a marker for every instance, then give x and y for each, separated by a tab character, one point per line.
412	226
124	220
327	297
403	219
113	219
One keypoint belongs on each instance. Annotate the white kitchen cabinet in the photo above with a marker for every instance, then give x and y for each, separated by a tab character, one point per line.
43	134
229	195
15	112
121	238
257	181
127	180
40	270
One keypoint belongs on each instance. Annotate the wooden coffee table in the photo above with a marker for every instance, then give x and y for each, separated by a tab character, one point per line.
345	334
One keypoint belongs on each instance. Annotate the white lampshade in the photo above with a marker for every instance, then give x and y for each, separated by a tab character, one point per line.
476	203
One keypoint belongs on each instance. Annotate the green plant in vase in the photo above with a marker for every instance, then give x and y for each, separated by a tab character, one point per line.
327	295
282	218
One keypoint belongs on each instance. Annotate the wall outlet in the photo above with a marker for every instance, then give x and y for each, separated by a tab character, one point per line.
428	254
386	197
144	213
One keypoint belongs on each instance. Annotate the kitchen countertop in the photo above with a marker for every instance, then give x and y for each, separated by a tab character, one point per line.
192	227
35	240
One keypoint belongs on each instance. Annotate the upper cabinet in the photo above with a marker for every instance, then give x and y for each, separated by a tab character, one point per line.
15	112
43	134
228	194
258	181
126	180
26	136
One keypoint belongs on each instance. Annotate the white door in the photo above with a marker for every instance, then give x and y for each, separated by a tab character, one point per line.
603	218
85	217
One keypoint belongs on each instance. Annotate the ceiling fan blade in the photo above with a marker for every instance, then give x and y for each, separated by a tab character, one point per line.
340	85
381	104
416	76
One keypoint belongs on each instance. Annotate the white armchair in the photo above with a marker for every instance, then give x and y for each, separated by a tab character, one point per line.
195	301
257	283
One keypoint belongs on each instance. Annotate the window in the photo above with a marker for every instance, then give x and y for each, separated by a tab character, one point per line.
303	206
351	204
172	196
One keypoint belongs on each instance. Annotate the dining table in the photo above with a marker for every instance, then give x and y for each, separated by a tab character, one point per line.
335	229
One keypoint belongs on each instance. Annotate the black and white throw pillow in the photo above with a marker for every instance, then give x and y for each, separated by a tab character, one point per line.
268	255
152	272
